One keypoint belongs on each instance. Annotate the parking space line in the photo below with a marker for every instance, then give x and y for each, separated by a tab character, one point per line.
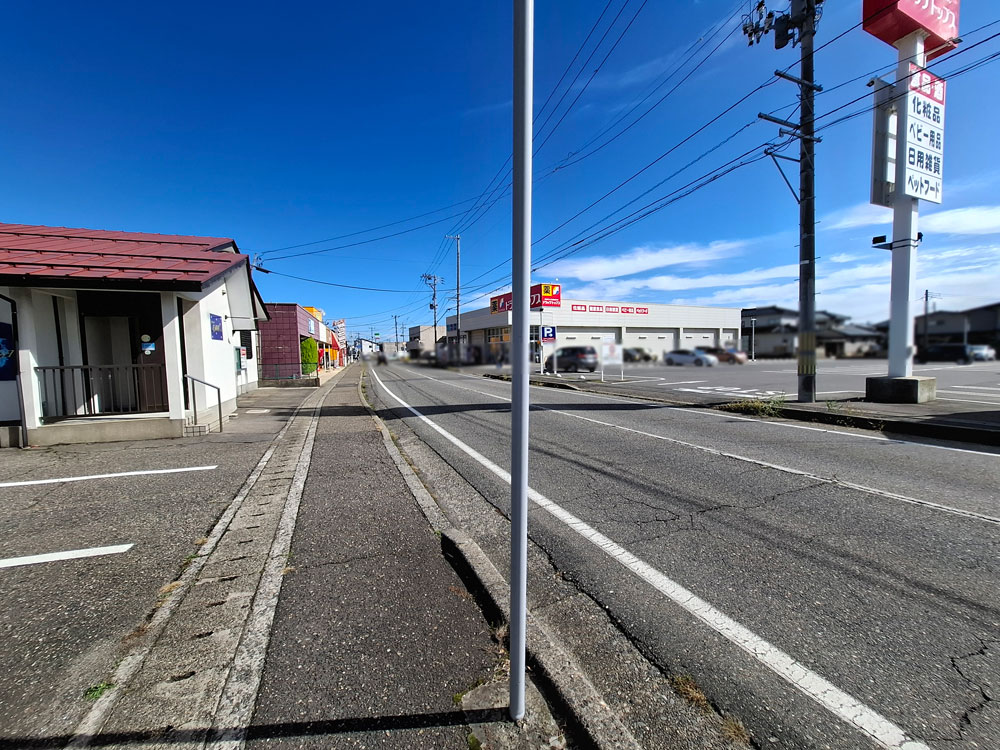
685	382
969	401
107	476
13	562
972	387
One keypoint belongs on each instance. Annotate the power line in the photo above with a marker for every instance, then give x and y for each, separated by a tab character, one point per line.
330	283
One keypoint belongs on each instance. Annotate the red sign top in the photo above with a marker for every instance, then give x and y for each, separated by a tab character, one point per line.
927	84
541	295
891	20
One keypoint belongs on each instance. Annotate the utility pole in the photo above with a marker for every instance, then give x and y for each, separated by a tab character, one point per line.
458	294
395	332
927	322
432	281
799	26
524	30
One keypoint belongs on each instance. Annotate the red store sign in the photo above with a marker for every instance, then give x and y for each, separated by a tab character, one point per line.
891	20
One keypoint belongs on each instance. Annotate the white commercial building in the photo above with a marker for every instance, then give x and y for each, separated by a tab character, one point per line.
659	328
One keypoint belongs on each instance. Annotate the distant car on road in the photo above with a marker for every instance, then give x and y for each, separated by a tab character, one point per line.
732	356
944	353
573	359
983	352
697	357
638	354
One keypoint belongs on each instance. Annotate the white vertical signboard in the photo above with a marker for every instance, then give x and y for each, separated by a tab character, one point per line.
924	135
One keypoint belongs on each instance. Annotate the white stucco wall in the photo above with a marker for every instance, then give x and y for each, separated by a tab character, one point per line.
214	360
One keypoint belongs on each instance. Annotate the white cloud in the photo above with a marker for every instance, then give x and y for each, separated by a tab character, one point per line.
971	220
641	259
844	258
860	215
625	288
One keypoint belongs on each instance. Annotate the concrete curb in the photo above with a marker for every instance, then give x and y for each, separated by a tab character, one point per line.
936	430
940	431
536	381
593	721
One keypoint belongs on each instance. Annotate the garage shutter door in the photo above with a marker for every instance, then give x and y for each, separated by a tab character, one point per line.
699	337
658	340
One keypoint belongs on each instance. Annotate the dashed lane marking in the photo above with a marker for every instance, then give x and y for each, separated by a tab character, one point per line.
72	554
829	696
106	476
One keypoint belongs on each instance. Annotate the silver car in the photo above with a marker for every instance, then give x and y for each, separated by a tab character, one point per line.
982	353
694	357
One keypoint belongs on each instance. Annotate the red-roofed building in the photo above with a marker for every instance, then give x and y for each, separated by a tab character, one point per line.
110	335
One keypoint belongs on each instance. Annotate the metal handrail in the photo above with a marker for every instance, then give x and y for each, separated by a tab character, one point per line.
194	397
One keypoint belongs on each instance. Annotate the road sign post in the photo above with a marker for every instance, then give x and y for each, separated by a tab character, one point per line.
918	100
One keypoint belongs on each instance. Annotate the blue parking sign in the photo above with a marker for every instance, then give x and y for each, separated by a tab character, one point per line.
547	334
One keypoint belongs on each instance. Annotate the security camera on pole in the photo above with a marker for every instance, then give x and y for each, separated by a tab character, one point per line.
920	31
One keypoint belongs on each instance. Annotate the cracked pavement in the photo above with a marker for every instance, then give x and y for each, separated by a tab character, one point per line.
794	534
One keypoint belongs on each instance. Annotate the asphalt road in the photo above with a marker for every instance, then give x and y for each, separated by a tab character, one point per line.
870	562
963	386
65	623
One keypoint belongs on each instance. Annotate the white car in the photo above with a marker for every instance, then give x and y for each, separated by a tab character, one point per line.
982	353
690	357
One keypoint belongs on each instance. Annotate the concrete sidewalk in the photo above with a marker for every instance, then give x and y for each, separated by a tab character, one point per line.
319	612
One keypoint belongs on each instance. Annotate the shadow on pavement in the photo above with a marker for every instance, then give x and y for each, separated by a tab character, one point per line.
270	731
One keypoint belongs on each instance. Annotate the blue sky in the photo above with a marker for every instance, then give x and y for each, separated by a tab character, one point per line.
304	124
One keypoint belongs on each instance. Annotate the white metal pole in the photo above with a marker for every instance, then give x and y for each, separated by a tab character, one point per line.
524	13
905	211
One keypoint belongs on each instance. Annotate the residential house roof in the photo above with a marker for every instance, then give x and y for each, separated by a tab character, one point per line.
42	256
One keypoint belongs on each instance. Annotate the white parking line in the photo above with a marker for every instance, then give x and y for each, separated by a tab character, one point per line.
684	382
974	387
969	401
829	696
13	562
106	476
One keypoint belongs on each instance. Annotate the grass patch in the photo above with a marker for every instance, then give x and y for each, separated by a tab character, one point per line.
756	407
474	743
685	686
165	591
733	730
96	691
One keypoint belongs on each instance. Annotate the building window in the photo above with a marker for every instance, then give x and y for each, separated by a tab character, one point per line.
498	335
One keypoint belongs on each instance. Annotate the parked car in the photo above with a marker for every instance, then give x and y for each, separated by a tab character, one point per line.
573	359
638	354
697	357
944	353
732	356
983	352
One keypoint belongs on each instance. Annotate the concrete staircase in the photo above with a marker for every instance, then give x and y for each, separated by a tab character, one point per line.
206	424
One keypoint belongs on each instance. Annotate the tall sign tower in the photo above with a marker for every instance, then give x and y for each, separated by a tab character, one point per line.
907	165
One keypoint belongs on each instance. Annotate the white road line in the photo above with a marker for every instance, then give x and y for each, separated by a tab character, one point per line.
107	476
829	696
684	382
73	554
733	417
972	387
970	401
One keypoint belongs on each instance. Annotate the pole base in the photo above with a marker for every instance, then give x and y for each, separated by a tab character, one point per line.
915	389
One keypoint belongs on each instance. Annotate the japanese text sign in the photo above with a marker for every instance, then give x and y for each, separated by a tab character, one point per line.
924	137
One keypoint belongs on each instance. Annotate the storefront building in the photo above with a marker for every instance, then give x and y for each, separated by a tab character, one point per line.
486	333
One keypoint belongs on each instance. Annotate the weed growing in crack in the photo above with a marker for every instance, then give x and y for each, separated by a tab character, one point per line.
96	691
756	407
685	686
733	730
